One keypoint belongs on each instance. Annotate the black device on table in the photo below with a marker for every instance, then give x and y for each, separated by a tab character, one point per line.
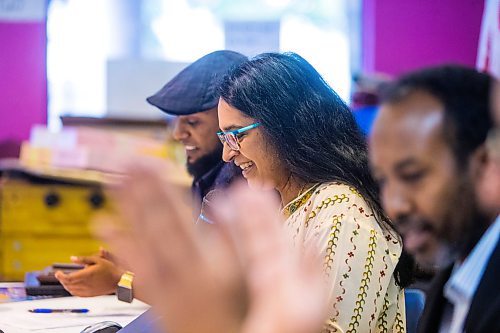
44	283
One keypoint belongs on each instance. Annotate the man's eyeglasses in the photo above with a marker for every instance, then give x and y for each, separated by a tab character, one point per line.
231	137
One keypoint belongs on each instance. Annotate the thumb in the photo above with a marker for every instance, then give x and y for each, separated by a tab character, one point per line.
59	275
84	260
105	254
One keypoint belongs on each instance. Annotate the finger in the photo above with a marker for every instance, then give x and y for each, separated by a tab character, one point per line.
311	261
76	277
258	226
78	291
161	217
162	200
121	240
138	258
265	250
60	276
105	254
69	285
84	260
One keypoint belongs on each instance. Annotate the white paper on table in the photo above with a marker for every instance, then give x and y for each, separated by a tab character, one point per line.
101	308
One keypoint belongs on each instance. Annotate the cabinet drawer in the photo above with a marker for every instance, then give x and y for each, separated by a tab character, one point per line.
20	254
54	209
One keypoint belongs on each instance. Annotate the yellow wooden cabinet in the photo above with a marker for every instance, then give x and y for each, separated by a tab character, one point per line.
43	221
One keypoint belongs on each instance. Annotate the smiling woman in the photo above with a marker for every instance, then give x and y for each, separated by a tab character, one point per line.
308	148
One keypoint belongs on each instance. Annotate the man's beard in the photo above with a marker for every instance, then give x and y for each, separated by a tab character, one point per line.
205	163
464	224
461	226
467	223
436	253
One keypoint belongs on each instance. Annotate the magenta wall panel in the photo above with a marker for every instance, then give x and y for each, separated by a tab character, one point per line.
23	78
402	35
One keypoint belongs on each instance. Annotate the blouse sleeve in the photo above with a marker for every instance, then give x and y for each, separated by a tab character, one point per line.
359	261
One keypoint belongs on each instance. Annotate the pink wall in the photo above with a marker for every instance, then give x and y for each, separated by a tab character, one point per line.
402	35
23	79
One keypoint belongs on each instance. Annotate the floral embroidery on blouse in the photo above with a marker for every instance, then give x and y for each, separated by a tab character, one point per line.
298	202
359	258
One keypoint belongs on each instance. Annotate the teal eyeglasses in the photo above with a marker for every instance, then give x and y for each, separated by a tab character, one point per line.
231	137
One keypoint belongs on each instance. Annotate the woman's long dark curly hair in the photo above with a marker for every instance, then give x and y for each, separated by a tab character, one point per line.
312	130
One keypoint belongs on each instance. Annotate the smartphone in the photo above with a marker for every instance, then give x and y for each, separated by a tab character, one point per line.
66	267
47	276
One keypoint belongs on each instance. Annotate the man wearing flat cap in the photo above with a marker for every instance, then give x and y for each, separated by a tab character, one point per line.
192	97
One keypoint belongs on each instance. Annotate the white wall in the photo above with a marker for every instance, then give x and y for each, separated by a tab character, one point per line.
131	81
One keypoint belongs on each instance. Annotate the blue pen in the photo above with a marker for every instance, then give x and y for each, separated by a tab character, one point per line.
59	310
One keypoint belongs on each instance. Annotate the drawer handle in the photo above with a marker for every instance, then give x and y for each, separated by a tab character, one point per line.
52	199
96	200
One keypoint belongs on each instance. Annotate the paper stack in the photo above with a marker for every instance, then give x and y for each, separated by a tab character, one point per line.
88	148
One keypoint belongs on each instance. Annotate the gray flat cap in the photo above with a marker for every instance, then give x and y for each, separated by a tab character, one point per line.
194	89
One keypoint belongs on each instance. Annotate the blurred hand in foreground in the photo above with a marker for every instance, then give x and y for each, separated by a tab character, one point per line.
239	275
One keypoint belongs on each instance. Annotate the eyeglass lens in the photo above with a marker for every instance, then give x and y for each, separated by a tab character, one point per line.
232	141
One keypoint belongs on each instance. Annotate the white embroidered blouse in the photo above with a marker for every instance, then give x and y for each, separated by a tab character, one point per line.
359	258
